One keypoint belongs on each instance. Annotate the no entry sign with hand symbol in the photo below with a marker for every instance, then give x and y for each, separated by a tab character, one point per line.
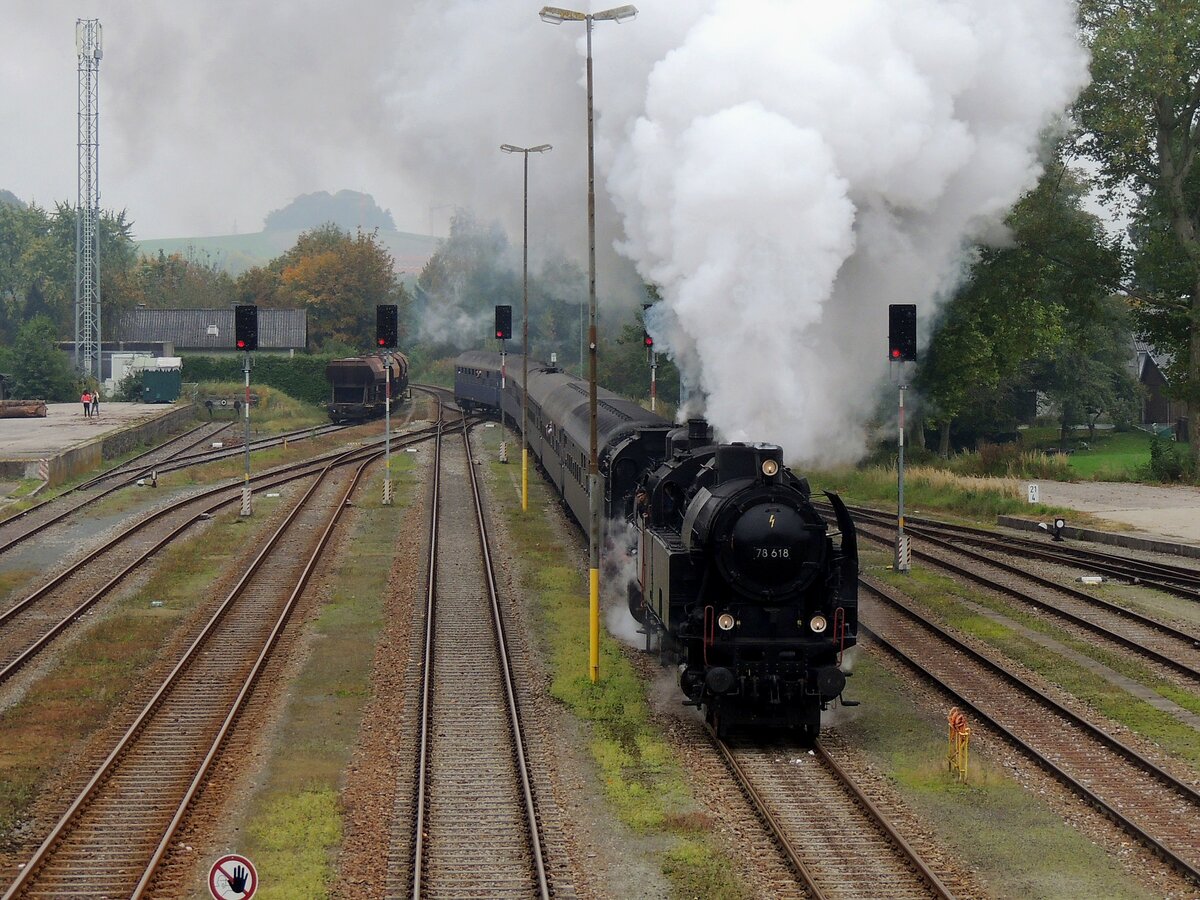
232	877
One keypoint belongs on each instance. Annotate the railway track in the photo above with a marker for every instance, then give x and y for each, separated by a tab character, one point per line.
470	750
165	458
112	838
833	836
1138	793
1180	580
31	624
1172	648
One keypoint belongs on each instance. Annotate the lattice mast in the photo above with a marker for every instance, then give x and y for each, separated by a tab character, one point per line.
87	209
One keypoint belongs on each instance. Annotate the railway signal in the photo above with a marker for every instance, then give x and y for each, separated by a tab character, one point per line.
245	327
503	322
902	332
387	326
648	343
902	348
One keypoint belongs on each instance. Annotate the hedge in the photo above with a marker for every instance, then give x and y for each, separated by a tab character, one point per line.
302	377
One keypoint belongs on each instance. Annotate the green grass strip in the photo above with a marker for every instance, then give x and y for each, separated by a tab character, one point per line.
944	597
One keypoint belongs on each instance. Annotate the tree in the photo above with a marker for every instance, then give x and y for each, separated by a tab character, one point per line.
1089	375
1018	309
339	279
1141	121
179	281
41	371
346	209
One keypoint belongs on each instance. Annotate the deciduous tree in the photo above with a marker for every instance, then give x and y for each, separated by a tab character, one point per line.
1141	121
1014	315
41	371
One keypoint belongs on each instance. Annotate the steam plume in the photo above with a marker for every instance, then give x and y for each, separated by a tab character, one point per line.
797	166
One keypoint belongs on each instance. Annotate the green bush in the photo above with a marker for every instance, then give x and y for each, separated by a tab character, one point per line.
1167	463
129	389
1010	461
301	377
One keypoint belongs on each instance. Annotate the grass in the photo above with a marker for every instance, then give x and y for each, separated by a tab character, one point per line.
990	823
296	826
991	481
274	412
932	490
952	604
644	784
234	466
1113	456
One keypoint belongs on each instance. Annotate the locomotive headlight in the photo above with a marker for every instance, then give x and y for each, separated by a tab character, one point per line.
726	622
770	467
818	624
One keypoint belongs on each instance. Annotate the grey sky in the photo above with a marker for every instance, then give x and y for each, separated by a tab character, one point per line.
214	113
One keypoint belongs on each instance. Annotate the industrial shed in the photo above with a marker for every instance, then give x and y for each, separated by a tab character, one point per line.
211	330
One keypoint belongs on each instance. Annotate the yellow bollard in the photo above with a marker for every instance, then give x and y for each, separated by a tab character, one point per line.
960	737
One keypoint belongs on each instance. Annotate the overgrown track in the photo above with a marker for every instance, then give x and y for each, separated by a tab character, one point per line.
474	822
1138	793
1180	580
32	623
832	835
112	838
167	457
1172	648
31	521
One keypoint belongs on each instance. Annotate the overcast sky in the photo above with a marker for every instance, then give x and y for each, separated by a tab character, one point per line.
214	113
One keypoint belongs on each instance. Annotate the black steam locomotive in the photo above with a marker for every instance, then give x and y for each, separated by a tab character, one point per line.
739	579
358	386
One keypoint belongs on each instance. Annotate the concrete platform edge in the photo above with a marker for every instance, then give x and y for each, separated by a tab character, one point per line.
55	468
1113	538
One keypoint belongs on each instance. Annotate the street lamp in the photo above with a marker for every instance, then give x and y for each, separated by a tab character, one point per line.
525	151
556	16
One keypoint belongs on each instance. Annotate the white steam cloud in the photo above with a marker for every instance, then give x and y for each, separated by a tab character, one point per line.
797	166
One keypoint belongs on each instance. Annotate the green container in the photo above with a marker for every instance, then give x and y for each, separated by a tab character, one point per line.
161	385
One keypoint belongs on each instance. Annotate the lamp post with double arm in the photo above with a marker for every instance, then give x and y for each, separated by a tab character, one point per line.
556	16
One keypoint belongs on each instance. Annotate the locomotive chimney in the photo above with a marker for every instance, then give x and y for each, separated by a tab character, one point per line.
681	440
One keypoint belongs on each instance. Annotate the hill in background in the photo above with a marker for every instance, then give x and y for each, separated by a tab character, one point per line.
349	210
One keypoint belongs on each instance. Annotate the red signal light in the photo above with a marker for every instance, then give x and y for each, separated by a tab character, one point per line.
649	341
382	342
895	353
241	345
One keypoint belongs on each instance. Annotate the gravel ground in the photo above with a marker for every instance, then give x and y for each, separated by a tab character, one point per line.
1170	511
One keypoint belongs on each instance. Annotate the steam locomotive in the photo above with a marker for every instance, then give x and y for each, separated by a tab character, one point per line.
739	579
358	386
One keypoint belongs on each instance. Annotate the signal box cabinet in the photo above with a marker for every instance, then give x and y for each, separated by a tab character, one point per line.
161	385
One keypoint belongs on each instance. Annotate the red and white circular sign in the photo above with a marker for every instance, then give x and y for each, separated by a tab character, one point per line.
232	877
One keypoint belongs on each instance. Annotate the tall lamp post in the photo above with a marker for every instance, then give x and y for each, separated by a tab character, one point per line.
525	151
556	16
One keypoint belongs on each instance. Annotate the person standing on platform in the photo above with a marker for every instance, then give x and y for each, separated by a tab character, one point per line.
86	400
96	404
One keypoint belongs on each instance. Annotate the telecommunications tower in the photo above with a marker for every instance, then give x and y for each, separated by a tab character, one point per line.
87	209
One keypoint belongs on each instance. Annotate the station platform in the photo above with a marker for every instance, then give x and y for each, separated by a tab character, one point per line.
1158	518
66	443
